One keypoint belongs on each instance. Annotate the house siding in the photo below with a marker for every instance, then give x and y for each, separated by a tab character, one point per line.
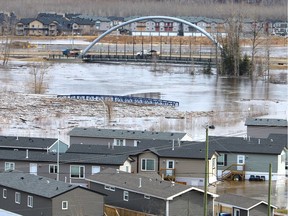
260	210
147	155
80	202
255	164
98	141
43	170
136	201
264	131
190	203
41	206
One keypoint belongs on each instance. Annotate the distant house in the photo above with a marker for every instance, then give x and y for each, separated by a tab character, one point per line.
149	194
118	137
73	168
261	127
235	205
82	26
280	28
29	195
242	157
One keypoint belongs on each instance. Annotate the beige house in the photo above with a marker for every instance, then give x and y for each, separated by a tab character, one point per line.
184	163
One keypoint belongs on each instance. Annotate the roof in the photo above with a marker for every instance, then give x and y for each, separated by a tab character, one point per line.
246	145
240	201
38	185
26	142
162	148
124	134
67	158
266	122
141	184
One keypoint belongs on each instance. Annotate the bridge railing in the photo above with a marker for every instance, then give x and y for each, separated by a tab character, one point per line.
123	99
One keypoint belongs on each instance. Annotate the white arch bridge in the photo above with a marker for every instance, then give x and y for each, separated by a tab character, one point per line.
179	20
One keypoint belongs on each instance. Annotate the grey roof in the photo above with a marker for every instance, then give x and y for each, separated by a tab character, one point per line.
41	186
68	158
239	201
124	134
162	148
152	186
26	142
266	122
247	145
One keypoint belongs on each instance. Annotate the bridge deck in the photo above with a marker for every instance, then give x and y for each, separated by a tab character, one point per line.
122	99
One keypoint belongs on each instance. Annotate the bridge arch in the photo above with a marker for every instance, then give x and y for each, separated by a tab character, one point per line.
149	18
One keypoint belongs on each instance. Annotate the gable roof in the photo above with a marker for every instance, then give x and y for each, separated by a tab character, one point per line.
141	184
266	122
246	145
124	134
38	185
26	142
241	202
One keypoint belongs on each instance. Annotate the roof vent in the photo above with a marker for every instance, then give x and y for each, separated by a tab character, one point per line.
117	170
173	145
172	183
140	182
22	178
259	141
271	140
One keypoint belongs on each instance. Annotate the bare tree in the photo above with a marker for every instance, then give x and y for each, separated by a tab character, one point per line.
38	81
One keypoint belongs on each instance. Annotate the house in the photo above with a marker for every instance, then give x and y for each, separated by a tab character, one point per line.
235	205
72	168
30	195
81	26
149	194
280	28
177	161
118	137
181	162
240	158
261	127
32	143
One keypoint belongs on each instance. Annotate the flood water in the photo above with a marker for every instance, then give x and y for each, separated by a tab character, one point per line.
232	101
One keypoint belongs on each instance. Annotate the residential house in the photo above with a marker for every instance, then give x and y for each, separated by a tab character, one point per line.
241	158
81	26
177	161
30	195
262	128
101	24
235	205
67	167
32	143
118	137
36	27
149	194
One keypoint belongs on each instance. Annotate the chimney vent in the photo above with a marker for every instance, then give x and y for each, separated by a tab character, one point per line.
140	182
173	145
259	141
27	153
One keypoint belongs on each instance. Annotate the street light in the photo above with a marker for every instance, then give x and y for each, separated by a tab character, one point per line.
206	181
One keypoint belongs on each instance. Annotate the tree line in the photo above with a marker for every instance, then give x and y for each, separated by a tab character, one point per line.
262	9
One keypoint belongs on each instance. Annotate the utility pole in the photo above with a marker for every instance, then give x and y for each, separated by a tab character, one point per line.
206	173
58	168
269	191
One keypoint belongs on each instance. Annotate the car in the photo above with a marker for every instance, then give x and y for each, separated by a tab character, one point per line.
72	52
145	53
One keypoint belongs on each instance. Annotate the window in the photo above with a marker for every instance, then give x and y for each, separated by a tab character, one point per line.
4	193
9	166
148	165
222	160
125	195
53	168
17	197
64	205
77	171
109	188
119	142
30	201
